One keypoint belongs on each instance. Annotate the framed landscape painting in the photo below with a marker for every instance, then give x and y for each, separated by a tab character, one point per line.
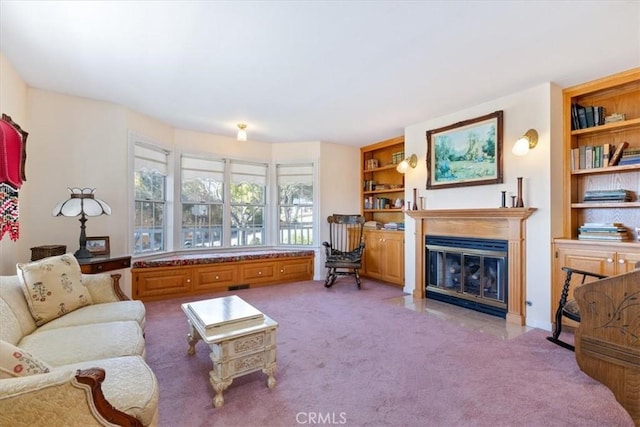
465	153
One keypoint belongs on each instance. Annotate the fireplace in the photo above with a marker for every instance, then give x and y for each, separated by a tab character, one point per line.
468	272
506	224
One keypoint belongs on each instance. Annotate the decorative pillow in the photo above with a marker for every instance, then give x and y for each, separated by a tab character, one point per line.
53	287
15	362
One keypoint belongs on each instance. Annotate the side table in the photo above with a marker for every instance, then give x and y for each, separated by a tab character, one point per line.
239	345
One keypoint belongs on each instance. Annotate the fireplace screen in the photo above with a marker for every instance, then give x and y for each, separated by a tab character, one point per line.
468	272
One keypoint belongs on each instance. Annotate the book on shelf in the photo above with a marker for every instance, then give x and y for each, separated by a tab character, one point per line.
583	117
630	160
614	231
606	154
609	196
603	224
581	156
617	154
631	152
588	112
590	156
587	229
593	236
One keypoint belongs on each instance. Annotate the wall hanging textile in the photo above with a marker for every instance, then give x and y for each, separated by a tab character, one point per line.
13	157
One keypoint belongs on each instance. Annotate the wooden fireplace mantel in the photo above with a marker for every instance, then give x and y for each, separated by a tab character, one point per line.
489	223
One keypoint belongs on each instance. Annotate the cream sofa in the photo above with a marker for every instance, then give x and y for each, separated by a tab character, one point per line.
84	367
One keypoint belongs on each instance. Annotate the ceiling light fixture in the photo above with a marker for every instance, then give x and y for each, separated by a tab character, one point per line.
242	132
411	161
526	142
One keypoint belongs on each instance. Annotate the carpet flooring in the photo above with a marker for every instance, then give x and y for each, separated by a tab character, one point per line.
349	357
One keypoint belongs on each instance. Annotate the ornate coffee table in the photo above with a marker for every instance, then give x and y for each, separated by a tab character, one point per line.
241	338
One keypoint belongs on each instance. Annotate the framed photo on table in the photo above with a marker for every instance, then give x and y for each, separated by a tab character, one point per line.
98	245
465	153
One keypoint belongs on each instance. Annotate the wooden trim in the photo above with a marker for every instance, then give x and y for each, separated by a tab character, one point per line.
115	278
94	377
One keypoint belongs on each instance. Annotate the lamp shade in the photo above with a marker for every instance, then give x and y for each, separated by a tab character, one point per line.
242	132
411	161
82	201
526	142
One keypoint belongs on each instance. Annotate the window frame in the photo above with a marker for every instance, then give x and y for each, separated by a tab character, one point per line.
312	204
166	230
172	223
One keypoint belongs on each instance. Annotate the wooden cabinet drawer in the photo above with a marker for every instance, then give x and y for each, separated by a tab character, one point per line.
258	272
219	276
296	269
101	265
162	282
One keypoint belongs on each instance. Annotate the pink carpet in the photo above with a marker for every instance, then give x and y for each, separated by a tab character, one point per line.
350	357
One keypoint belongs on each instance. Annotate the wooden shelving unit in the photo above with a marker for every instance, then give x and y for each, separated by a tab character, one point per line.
378	200
384	249
618	93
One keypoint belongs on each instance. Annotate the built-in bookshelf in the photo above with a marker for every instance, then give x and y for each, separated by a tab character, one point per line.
603	153
601	208
382	194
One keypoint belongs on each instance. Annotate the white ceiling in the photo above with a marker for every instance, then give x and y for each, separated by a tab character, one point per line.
349	72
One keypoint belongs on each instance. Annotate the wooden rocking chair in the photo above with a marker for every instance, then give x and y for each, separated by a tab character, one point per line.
569	307
345	247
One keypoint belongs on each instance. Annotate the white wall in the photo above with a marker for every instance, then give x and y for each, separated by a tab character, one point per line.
82	142
524	110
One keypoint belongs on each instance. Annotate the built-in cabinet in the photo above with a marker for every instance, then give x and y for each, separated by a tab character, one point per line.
382	201
619	93
152	283
384	256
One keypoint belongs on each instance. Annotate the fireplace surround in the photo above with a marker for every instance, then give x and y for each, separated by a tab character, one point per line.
507	224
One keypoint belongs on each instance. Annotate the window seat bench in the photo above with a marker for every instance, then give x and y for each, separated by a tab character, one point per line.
192	274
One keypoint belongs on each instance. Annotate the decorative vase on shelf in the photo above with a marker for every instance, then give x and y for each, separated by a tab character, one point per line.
415	199
519	201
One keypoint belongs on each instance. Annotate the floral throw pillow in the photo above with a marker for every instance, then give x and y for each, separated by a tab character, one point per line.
15	362
53	287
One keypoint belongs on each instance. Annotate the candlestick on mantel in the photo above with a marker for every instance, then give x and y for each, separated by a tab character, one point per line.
519	201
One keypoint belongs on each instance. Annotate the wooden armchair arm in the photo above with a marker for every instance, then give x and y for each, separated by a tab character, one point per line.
104	287
116	287
94	378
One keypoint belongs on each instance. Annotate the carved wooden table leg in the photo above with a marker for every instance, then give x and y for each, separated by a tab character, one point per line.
192	339
270	371
219	386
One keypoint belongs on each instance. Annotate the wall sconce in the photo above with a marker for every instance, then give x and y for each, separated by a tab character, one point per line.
411	161
526	142
242	132
82	202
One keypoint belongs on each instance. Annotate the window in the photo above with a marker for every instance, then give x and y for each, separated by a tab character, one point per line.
247	203
202	197
150	180
295	204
